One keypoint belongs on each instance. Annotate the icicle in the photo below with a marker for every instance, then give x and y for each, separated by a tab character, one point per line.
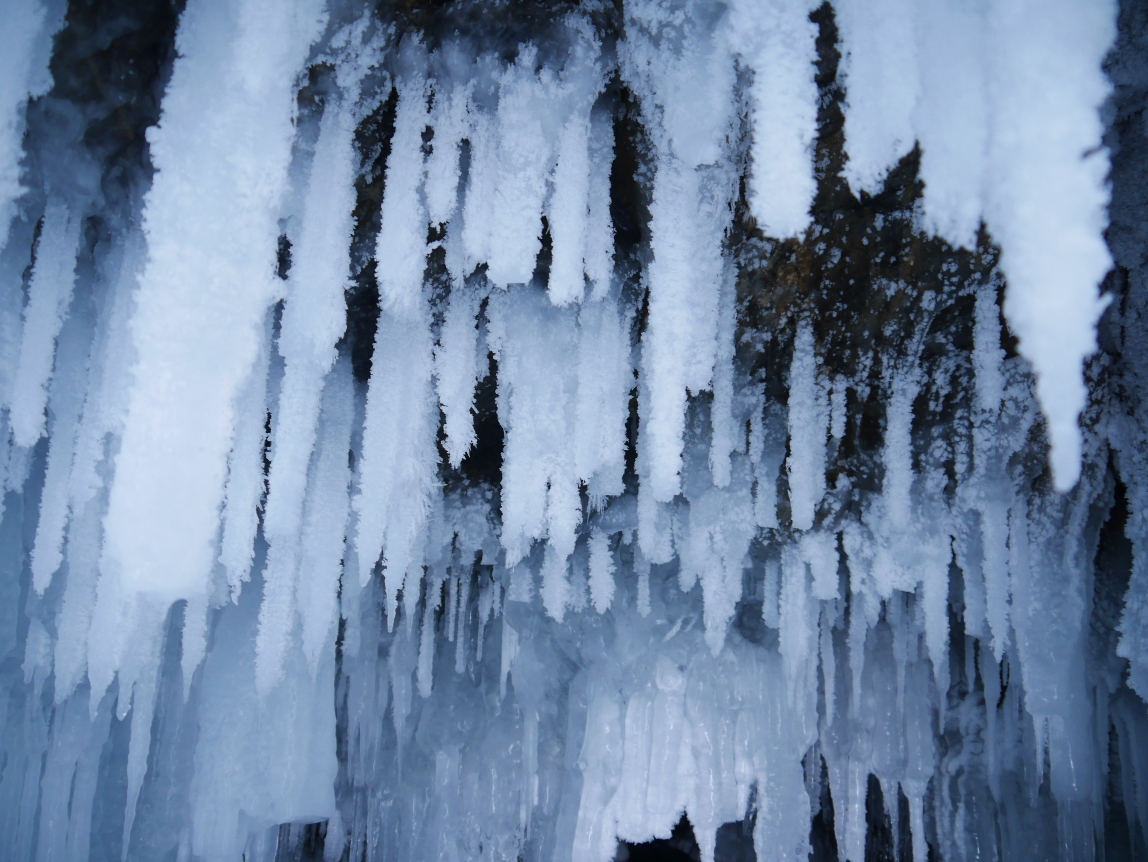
482	179
462	637
605	379
798	621
642	567
325	519
1047	194
194	645
568	210
723	434
601	572
432	603
951	116
555	590
819	550
209	278
459	363
245	481
776	40
685	96
599	255
49	296
65	402
452	605
397	468
675	326
25	46
808	418
509	654
766	452
838	409
139	677
987	352
314	318
935	566
402	249
879	65
525	113
536	348
487	596
898	454
449	121
75	615
828	664
110	364
771	602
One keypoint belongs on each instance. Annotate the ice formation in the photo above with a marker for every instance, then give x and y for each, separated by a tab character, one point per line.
500	429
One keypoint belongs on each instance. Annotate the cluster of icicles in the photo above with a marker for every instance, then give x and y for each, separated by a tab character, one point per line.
224	640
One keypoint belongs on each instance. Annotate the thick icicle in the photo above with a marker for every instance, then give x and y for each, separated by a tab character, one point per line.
525	150
1047	197
401	250
209	279
879	64
775	39
951	116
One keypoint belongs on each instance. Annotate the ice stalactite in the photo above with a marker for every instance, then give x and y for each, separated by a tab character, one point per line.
501	432
29	28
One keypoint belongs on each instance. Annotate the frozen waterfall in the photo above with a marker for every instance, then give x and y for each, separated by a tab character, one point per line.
572	431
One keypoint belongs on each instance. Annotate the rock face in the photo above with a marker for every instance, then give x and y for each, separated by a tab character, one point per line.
558	431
